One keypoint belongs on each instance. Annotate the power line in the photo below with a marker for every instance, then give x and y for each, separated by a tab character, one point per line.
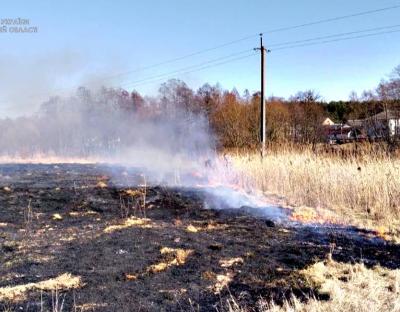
194	66
183	72
333	19
281	46
199	52
334	35
335	40
322	21
173	60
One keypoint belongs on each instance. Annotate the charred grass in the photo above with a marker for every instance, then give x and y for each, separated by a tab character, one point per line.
167	254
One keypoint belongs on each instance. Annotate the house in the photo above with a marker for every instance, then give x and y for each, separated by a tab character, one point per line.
335	133
382	124
356	123
327	122
375	127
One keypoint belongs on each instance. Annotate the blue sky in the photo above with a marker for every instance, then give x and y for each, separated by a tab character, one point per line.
81	42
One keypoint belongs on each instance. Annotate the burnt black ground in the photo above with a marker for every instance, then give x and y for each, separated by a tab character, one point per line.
36	247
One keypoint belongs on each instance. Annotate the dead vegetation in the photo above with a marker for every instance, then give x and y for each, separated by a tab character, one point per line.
349	287
130	222
63	282
361	190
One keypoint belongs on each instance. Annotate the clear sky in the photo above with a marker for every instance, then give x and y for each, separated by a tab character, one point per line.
94	41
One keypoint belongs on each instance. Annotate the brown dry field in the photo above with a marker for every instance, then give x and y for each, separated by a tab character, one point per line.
73	239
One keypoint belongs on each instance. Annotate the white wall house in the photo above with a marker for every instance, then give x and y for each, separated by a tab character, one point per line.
384	122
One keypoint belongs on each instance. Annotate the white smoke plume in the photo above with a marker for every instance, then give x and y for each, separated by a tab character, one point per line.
167	137
110	126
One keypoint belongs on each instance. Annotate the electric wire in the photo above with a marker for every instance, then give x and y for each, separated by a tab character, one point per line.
281	29
280	46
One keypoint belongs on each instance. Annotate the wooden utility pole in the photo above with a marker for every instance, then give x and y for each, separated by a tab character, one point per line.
262	100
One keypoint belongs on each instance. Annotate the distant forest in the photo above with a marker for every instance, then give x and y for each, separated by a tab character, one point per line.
232	118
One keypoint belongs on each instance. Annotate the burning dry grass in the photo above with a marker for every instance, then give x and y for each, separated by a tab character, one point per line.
62	282
357	188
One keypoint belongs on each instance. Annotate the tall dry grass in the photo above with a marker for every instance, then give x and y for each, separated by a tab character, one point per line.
357	187
350	287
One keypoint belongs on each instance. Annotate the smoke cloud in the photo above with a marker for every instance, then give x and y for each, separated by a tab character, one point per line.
112	126
166	137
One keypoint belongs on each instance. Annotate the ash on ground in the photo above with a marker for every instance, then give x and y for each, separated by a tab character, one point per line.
114	243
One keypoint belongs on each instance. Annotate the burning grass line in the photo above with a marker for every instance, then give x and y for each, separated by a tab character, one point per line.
357	191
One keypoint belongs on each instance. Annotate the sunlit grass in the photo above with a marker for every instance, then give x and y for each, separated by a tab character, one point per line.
363	188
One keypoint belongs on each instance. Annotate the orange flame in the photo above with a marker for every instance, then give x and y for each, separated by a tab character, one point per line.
313	216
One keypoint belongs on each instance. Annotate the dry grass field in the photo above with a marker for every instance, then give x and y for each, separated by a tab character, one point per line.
361	190
77	238
350	287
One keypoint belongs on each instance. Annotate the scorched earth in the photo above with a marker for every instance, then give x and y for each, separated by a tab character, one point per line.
95	238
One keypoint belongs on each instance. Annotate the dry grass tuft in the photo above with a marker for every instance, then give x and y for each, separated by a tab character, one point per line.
222	281
57	217
212	226
63	282
173	257
130	222
170	257
192	229
130	192
350	288
90	306
101	184
7	189
227	263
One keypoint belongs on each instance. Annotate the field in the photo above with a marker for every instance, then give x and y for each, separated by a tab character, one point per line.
94	238
361	189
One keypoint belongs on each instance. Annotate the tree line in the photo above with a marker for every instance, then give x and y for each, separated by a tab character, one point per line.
94	119
234	118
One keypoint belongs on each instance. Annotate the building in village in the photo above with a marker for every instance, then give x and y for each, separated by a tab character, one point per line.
383	125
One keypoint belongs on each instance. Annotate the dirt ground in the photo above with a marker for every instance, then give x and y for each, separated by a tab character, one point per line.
84	238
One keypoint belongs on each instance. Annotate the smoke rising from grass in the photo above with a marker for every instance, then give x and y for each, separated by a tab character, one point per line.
112	126
168	138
